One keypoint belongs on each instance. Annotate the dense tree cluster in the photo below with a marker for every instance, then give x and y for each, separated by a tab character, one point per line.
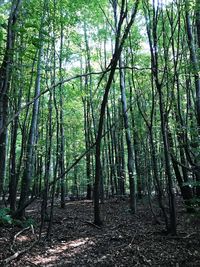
99	98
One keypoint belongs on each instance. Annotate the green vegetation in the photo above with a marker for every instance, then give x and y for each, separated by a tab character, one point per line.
97	99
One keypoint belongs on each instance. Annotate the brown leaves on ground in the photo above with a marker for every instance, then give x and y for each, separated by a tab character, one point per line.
123	240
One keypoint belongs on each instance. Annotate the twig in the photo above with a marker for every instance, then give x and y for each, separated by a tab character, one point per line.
17	254
64	219
15	237
20	232
92	224
130	244
117	226
20	252
181	237
107	19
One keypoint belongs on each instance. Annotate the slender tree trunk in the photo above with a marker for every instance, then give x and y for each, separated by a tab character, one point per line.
128	140
152	27
5	77
62	137
13	168
194	60
118	49
27	174
110	155
89	114
30	149
47	165
197	15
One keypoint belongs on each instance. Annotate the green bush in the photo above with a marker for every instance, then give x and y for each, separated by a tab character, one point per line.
29	222
7	220
5	217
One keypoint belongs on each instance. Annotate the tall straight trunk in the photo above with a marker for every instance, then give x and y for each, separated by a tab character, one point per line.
89	114
194	60
156	180
87	144
181	134
186	191
195	67
164	131
115	159
137	161
120	152
24	133
62	137
197	16
135	130
5	77
88	84
49	135
107	169
30	149
156	177
110	155
56	159
118	145
118	49
152	27
13	168
128	140
13	181
97	219
27	174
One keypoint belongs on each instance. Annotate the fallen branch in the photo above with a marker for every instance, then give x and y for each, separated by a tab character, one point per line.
17	254
20	232
92	224
15	237
130	244
181	237
20	252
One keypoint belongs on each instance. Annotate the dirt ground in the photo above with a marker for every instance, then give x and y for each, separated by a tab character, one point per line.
123	240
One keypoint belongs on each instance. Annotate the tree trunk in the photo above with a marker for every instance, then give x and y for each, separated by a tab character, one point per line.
194	60
113	65
128	140
27	174
5	77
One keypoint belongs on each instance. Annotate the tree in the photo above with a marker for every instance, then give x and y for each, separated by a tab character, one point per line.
5	79
113	64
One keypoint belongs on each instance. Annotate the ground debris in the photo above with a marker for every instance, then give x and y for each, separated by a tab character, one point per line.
123	240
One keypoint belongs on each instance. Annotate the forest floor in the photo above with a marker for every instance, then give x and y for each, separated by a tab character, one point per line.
123	240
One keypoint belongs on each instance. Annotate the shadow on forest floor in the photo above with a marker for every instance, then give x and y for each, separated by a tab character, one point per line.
124	239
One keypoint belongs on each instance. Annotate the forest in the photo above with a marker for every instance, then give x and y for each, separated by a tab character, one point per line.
100	133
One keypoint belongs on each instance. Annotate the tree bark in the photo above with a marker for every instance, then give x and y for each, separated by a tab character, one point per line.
118	49
194	60
27	174
128	140
5	77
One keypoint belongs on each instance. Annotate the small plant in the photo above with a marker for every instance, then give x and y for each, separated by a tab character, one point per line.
29	222
7	220
24	223
5	217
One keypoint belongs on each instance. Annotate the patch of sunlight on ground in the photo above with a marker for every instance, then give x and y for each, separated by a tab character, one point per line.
64	249
23	238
